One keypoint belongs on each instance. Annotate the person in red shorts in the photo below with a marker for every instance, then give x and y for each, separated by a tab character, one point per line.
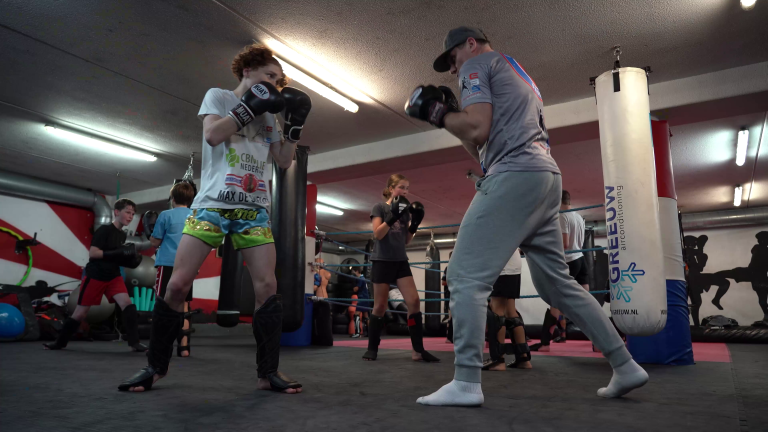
102	278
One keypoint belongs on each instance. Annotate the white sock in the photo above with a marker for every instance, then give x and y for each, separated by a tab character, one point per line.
626	378
455	393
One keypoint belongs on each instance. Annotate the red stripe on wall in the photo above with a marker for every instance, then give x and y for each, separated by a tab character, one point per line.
211	266
78	219
665	181
43	257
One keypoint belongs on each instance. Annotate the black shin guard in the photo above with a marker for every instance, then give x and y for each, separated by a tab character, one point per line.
68	329
511	324
416	330
549	321
375	326
131	323
267	328
522	354
495	323
166	324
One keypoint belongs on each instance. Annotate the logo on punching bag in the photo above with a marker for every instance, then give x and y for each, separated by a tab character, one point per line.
622	281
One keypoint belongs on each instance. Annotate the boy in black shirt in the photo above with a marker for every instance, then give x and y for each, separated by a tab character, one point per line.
102	277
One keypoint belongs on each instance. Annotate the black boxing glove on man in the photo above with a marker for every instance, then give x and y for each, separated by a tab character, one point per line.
259	99
398	207
297	106
428	103
417	215
450	99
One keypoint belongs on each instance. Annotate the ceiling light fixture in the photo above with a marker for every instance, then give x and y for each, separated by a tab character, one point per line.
748	4
741	147
318	71
322	208
444	240
100	145
737	196
317	86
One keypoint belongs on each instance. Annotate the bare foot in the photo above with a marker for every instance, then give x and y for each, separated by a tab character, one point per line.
524	365
264	384
141	388
499	367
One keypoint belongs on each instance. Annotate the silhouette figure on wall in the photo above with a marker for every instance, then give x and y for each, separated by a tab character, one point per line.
756	273
699	282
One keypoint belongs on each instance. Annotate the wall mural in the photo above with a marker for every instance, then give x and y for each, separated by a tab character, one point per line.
700	282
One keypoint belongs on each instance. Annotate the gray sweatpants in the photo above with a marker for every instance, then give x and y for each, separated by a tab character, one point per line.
511	210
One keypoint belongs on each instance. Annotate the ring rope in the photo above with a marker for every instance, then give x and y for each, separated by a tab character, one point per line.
455	225
366	280
371	309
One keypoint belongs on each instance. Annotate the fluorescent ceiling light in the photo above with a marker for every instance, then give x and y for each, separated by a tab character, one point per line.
317	87
737	196
748	4
444	240
322	208
741	147
315	69
100	145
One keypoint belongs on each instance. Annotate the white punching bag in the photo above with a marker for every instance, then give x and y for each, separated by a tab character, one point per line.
635	255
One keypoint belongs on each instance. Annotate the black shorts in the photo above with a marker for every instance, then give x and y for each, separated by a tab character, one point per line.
389	272
578	270
161	281
507	286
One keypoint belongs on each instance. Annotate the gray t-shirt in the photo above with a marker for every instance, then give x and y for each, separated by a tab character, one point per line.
392	246
518	140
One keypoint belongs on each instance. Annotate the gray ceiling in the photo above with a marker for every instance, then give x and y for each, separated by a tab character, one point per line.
136	71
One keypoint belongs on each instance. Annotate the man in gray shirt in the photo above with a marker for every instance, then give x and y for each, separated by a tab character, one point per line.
501	125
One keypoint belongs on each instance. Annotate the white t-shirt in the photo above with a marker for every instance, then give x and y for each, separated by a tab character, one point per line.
394	294
514	266
572	223
236	173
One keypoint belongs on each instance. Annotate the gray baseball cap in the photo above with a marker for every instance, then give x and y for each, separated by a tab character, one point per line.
456	37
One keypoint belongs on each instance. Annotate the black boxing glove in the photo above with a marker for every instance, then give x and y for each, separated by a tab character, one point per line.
450	99
428	103
148	220
124	256
417	215
259	99
297	106
398	207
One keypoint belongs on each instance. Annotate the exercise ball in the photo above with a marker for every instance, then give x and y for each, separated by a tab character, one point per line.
142	276
11	322
96	314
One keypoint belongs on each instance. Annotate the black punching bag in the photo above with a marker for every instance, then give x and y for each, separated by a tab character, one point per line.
289	219
432	286
589	257
228	313
366	273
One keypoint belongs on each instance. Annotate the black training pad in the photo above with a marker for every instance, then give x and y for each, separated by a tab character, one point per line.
76	390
